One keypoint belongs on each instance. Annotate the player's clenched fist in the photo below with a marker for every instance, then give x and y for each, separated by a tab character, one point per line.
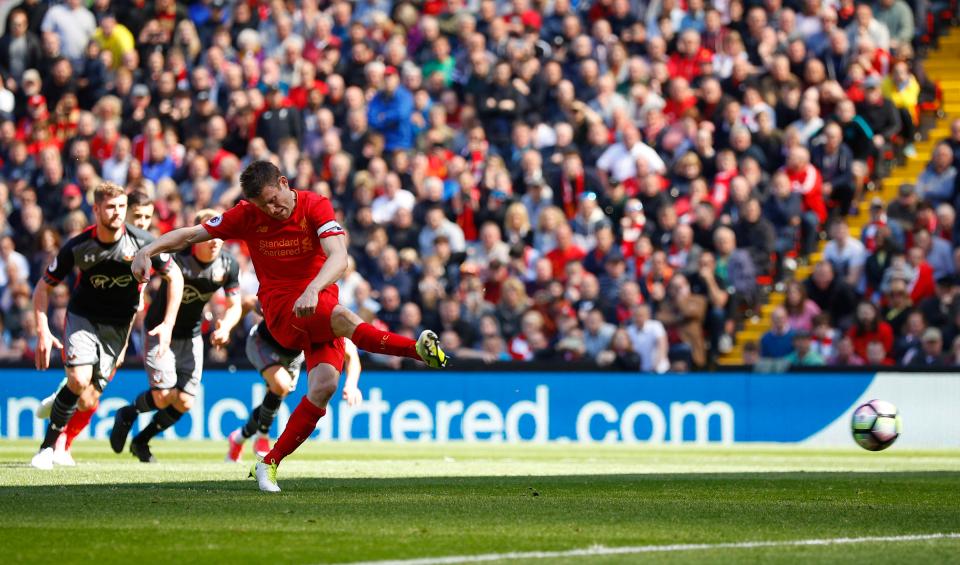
141	266
306	305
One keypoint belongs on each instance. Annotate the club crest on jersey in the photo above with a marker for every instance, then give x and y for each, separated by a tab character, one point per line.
262	229
215	221
303	224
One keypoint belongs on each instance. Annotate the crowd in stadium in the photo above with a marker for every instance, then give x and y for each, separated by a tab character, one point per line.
607	180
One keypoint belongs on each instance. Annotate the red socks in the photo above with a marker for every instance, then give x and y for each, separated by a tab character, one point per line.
79	421
369	338
299	427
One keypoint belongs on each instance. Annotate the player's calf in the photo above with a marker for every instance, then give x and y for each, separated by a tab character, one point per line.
123	420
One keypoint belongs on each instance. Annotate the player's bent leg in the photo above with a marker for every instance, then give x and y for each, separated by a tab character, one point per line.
369	338
322	381
123	420
64	405
163	419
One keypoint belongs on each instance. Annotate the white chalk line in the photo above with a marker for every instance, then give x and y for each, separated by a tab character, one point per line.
600	550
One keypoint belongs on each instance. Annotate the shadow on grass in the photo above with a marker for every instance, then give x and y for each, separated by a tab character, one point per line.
798	480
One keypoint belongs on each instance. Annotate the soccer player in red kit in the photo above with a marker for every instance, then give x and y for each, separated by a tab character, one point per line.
299	251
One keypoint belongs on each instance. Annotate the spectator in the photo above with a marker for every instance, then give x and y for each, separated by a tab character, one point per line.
278	122
897	17
649	339
73	24
801	311
19	49
831	293
682	314
835	161
847	356
565	252
438	225
802	354
936	183
846	254
735	265
870	327
777	342
619	354
931	350
597	333
757	230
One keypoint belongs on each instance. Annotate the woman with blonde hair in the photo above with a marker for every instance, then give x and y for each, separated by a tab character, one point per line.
545	239
517	229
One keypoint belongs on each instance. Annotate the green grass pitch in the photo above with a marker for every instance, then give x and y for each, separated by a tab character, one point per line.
361	502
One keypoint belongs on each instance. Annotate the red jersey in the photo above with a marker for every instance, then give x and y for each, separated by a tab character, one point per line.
286	254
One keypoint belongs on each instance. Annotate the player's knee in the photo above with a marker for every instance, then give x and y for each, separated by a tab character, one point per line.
343	321
88	399
162	397
280	387
78	381
183	402
322	390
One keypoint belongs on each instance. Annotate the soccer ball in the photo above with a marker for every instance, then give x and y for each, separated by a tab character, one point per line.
875	425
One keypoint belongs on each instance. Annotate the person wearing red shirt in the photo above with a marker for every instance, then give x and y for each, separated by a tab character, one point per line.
299	251
923	284
690	55
681	101
868	328
565	252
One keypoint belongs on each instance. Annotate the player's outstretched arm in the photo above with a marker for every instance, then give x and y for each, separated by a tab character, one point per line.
171	241
351	393
335	248
45	339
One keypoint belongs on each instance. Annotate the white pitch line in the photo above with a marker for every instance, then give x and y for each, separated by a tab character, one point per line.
600	550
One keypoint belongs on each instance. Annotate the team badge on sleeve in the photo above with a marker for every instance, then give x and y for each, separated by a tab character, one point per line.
215	221
53	266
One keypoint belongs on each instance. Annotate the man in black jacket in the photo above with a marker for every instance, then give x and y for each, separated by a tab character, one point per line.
19	49
835	161
831	294
277	122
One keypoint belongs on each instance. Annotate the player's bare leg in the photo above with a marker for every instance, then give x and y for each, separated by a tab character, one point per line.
279	385
369	338
79	379
322	384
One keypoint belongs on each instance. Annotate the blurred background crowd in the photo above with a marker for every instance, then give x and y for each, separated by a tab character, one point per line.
614	181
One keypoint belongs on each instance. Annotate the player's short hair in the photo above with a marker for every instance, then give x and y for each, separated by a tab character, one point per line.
204	215
258	175
139	198
107	190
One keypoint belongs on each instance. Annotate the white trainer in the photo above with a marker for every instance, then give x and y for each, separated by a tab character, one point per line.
43	460
61	455
266	475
